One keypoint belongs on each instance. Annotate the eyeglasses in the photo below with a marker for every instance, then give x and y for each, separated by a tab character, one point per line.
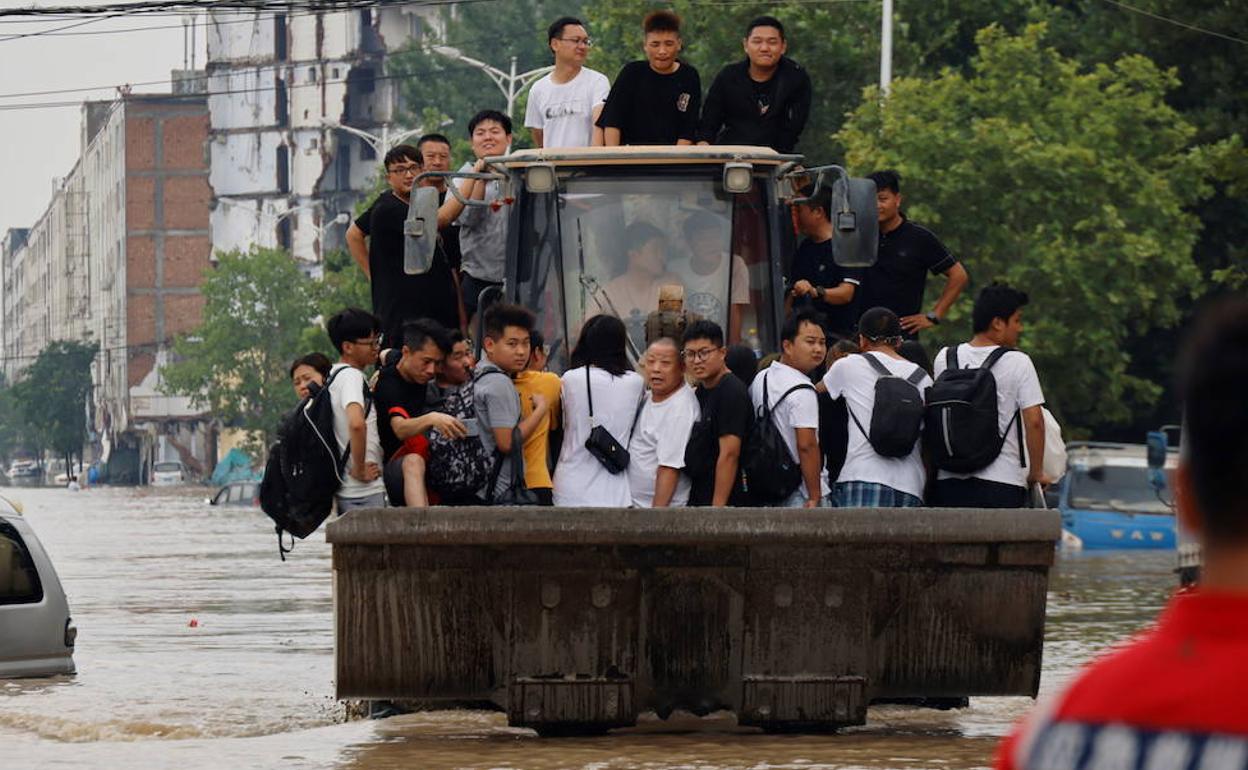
412	169
372	342
698	355
588	42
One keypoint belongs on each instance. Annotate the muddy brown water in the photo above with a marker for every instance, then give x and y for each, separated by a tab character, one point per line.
249	685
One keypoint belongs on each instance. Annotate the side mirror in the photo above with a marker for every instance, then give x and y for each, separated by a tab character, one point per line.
1157	442
420	231
856	223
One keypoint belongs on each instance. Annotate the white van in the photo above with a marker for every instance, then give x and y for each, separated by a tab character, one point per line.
36	632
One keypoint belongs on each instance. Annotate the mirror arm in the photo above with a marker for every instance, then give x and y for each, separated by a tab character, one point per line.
454	190
819	172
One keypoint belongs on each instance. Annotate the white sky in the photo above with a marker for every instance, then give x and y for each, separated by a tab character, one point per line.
39	144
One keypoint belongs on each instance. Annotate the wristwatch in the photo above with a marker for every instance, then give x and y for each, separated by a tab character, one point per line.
819	295
931	316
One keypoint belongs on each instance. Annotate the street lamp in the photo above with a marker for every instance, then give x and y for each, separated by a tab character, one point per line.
380	144
886	47
510	84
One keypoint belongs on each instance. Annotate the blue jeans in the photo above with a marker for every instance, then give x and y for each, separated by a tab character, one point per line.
348	504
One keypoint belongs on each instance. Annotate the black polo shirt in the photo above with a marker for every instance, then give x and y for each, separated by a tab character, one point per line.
813	262
729	410
899	276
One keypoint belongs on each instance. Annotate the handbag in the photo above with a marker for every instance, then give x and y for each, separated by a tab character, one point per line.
601	444
518	493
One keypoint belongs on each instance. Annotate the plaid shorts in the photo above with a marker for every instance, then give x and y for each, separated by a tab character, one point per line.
868	494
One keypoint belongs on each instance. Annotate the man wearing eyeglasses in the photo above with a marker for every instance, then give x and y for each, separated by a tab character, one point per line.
713	455
375	241
564	104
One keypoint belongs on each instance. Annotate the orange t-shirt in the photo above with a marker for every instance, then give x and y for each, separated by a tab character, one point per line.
536	447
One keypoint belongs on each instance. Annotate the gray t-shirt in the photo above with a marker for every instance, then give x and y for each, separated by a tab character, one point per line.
483	235
497	405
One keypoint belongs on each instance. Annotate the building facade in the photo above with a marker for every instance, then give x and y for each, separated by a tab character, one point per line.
281	85
117	260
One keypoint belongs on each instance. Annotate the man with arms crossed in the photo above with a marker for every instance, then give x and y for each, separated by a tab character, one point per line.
725	416
564	104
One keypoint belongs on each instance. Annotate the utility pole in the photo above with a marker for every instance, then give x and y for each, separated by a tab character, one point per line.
886	47
380	144
510	83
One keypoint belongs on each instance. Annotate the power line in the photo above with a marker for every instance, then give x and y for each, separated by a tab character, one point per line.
144	7
1176	22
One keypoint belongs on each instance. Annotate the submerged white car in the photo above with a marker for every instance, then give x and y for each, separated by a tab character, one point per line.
36	632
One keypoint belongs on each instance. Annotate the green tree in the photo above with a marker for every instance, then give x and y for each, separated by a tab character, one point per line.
46	408
235	364
1074	183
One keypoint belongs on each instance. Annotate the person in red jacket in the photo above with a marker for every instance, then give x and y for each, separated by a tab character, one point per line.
1177	696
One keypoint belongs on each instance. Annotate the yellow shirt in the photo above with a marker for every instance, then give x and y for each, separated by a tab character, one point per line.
536	447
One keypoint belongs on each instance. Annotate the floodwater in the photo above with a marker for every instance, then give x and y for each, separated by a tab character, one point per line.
198	648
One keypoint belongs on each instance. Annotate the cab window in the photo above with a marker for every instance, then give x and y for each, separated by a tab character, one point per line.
19	581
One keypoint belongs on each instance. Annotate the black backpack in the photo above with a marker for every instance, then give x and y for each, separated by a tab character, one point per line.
771	471
960	426
304	468
459	467
896	413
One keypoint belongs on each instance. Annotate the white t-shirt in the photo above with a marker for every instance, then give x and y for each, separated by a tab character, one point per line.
799	410
1018	387
580	480
659	440
704	293
854	378
348	388
565	111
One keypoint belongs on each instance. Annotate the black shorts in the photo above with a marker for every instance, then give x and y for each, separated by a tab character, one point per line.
392	476
472	288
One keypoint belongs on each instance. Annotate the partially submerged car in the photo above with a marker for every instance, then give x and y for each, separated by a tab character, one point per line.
1108	501
240	493
37	633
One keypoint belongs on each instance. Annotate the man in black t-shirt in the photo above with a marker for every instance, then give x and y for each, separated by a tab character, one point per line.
715	443
908	252
764	100
404	417
654	101
815	280
376	242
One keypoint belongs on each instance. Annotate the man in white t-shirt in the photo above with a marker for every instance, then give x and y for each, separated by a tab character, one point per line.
657	448
997	321
354	333
803	347
705	273
565	104
869	479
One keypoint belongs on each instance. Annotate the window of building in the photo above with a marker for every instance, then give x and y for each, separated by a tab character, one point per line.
279	37
367	152
311	74
283	168
281	104
19	580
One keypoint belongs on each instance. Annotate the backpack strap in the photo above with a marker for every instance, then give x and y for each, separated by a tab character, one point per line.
879	367
995	356
951	357
641	404
916	376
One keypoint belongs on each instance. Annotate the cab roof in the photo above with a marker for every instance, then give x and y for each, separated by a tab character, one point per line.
644	155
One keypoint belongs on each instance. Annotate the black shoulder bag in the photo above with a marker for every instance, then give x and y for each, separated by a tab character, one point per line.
518	493
601	444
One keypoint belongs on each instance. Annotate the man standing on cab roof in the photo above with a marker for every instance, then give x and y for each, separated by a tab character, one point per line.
764	100
564	104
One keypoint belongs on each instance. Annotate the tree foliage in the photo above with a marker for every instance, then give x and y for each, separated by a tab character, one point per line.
1074	183
46	408
235	364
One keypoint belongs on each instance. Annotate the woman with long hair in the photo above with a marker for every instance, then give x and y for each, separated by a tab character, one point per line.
603	382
